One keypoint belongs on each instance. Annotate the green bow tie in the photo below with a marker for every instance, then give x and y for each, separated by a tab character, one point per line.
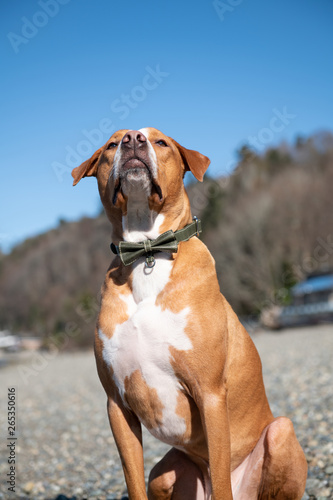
167	242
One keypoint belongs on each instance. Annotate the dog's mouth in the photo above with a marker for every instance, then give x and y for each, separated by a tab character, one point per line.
135	174
134	163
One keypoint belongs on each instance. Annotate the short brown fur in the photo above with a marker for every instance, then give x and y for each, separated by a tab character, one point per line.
229	425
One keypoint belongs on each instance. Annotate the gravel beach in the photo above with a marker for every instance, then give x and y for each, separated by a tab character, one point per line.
65	449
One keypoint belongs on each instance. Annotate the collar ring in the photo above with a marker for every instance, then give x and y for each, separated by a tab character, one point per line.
150	261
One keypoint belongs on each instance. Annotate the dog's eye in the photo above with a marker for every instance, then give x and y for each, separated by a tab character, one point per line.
112	145
161	143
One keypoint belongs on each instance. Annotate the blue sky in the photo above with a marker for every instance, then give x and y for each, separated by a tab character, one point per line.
210	76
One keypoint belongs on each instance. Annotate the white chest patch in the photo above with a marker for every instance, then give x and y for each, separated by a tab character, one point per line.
142	343
149	282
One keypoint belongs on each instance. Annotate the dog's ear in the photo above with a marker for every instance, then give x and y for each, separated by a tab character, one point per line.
193	161
87	168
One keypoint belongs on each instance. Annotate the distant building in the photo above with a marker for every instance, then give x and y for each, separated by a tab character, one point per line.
311	302
8	341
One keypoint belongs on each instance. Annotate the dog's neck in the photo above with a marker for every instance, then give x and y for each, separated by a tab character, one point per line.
140	222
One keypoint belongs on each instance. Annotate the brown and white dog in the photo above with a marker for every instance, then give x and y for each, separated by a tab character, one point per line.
171	353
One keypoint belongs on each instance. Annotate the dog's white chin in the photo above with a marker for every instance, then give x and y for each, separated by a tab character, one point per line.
136	180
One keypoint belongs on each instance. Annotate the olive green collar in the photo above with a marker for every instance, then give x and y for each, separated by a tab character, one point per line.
167	242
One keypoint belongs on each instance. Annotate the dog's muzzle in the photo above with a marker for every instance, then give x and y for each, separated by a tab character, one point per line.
135	160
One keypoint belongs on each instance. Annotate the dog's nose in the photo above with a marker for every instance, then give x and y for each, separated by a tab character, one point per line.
134	139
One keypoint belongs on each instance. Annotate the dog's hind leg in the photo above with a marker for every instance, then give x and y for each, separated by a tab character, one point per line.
177	477
275	469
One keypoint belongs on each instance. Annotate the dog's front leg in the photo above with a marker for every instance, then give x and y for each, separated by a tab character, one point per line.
216	425
127	433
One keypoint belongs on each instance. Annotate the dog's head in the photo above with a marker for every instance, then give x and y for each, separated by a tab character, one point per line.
141	162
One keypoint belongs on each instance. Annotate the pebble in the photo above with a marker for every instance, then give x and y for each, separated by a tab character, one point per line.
28	487
66	447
